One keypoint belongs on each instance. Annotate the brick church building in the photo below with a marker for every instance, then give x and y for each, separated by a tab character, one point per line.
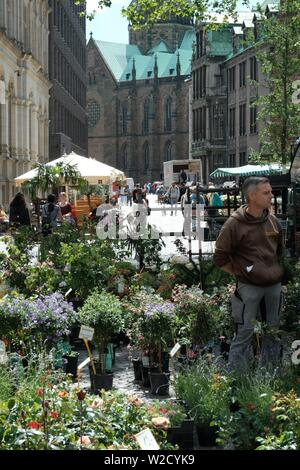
138	98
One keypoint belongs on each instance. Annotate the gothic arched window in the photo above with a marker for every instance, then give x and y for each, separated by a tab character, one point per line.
125	156
168	114
168	152
146	117
146	155
124	118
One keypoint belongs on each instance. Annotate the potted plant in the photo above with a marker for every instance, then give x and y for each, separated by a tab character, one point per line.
103	312
150	327
207	394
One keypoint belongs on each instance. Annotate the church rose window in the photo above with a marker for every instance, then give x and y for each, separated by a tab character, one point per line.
93	110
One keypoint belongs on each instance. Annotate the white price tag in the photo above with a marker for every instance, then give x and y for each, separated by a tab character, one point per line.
86	332
146	440
84	363
3	355
174	349
68	292
121	287
2	347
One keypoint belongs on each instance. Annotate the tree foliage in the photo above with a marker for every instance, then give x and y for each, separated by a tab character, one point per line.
278	53
141	13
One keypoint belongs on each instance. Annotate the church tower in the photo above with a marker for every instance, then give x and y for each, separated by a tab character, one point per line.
170	31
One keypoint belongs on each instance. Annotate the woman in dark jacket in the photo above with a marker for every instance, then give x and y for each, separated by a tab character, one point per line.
18	211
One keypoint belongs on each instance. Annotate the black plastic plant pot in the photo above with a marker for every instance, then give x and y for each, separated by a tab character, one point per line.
101	382
183	435
159	383
206	435
145	377
71	366
137	369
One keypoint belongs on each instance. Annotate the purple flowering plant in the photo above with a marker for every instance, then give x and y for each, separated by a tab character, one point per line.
152	323
41	317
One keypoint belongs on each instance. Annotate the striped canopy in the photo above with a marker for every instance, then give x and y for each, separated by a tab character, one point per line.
248	170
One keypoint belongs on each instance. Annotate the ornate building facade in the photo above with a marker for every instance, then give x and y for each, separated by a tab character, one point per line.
138	99
24	89
224	70
67	72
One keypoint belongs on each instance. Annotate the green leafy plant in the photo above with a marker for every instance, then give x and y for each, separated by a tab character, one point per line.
103	312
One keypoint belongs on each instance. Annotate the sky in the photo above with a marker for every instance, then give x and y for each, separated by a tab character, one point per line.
110	25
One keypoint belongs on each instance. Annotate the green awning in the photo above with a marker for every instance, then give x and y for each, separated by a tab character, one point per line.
248	170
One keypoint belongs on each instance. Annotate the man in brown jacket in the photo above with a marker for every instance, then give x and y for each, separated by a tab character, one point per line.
249	247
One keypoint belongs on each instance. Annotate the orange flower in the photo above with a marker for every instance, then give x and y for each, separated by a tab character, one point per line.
39	392
63	394
161	422
84	441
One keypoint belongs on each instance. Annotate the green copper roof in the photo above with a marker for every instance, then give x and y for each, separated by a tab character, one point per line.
161	47
117	55
120	58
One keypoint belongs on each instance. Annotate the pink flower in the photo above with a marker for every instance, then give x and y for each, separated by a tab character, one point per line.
97	403
54	414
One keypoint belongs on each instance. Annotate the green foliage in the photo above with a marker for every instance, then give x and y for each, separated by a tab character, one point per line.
6	383
220	309
278	53
252	395
102	311
86	265
195	322
205	391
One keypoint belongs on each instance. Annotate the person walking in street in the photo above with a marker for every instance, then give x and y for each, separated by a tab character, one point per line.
249	247
173	193
18	211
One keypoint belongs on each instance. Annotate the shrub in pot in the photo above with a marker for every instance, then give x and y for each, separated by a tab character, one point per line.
103	312
207	394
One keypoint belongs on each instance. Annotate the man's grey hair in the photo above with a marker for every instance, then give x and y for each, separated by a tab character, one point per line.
251	183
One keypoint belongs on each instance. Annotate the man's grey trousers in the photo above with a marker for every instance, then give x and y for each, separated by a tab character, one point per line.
246	302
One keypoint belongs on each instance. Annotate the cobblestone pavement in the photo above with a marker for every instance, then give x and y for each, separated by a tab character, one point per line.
123	376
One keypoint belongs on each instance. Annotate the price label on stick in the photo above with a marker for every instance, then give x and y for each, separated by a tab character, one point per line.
146	440
174	349
84	363
86	332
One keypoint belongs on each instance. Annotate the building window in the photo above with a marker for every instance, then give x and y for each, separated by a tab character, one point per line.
146	117
168	152
199	124
242	74
232	122
168	114
243	159
124	118
125	157
253	119
200	44
146	155
93	111
231	78
253	68
218	121
243	119
202	82
232	160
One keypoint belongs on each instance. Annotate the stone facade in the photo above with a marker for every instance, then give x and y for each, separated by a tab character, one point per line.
138	122
67	72
24	90
225	127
